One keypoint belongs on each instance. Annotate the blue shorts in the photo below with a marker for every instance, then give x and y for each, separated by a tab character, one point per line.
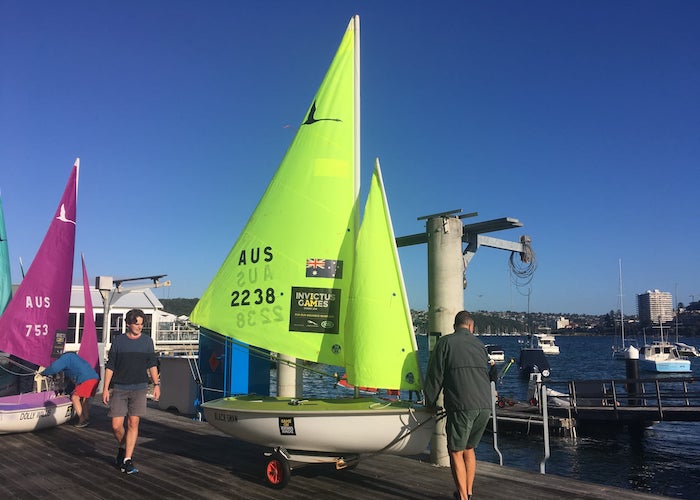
465	428
127	402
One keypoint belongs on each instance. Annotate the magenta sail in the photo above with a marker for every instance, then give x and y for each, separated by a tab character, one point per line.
40	307
88	342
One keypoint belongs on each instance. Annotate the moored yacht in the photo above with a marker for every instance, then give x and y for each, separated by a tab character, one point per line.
495	352
687	350
545	341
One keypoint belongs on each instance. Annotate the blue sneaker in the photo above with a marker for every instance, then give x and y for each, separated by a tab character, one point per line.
128	467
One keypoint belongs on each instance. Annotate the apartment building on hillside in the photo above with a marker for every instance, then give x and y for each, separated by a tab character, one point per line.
653	305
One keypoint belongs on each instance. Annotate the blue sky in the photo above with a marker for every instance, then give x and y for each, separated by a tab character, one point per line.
581	119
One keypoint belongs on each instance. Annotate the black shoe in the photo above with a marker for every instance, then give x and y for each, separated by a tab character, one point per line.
128	467
120	457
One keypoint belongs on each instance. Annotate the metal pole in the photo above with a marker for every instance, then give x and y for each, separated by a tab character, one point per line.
632	374
445	300
545	428
494	423
289	378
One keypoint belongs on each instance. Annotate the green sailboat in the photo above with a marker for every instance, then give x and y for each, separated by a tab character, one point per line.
305	279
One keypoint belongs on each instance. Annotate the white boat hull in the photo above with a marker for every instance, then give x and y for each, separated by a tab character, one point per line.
347	425
667	366
33	411
546	343
663	357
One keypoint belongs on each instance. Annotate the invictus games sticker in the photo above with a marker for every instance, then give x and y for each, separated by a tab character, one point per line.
315	310
287	426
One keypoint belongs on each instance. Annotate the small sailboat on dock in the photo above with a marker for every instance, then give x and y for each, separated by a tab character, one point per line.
307	280
37	311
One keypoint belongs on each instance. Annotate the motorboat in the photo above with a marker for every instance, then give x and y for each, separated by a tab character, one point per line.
545	341
533	360
687	350
663	357
495	352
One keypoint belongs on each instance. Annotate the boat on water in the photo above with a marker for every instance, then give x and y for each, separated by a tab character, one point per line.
687	350
620	351
546	342
495	352
662	357
532	361
37	311
325	289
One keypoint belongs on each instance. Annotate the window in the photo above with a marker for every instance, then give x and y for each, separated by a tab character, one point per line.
70	333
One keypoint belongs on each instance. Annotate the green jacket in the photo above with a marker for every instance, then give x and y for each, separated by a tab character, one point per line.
460	366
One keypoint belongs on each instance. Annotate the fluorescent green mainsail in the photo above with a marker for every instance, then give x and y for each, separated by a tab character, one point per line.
5	278
381	348
284	285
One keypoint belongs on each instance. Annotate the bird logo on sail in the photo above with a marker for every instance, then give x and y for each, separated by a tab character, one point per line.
311	119
62	215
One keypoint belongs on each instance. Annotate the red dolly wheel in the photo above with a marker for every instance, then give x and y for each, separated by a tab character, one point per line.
277	471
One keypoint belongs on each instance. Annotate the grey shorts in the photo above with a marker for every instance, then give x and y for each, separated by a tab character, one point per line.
465	428
123	403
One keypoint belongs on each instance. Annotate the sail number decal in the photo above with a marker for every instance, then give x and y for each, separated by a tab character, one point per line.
250	297
254	317
255	305
37	330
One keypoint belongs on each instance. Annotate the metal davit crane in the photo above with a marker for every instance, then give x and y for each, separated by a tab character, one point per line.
448	260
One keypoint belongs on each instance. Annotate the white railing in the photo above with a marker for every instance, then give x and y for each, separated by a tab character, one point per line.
176	334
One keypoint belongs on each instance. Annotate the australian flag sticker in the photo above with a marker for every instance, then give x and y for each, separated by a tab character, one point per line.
324	268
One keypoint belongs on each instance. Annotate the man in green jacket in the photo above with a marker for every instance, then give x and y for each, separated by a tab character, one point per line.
460	367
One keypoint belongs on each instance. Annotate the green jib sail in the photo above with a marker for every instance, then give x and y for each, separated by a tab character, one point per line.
5	278
285	284
381	351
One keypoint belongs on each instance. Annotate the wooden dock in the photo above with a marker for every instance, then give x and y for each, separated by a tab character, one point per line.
182	458
631	401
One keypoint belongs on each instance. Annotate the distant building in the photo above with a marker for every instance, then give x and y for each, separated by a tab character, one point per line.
654	305
562	323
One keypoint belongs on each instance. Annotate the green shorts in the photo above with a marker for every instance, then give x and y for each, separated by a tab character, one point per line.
465	428
129	402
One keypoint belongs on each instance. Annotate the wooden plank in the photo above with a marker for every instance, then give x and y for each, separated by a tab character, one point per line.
183	459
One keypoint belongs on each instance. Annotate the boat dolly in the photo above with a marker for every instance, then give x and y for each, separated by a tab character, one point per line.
280	462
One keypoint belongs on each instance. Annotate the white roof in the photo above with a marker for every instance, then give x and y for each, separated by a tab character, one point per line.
129	299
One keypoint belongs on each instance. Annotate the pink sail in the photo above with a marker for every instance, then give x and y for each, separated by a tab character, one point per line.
40	307
88	343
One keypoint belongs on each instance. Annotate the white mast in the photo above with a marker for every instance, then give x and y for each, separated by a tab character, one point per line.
356	22
622	314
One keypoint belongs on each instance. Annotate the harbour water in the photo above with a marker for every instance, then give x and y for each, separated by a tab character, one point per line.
663	460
